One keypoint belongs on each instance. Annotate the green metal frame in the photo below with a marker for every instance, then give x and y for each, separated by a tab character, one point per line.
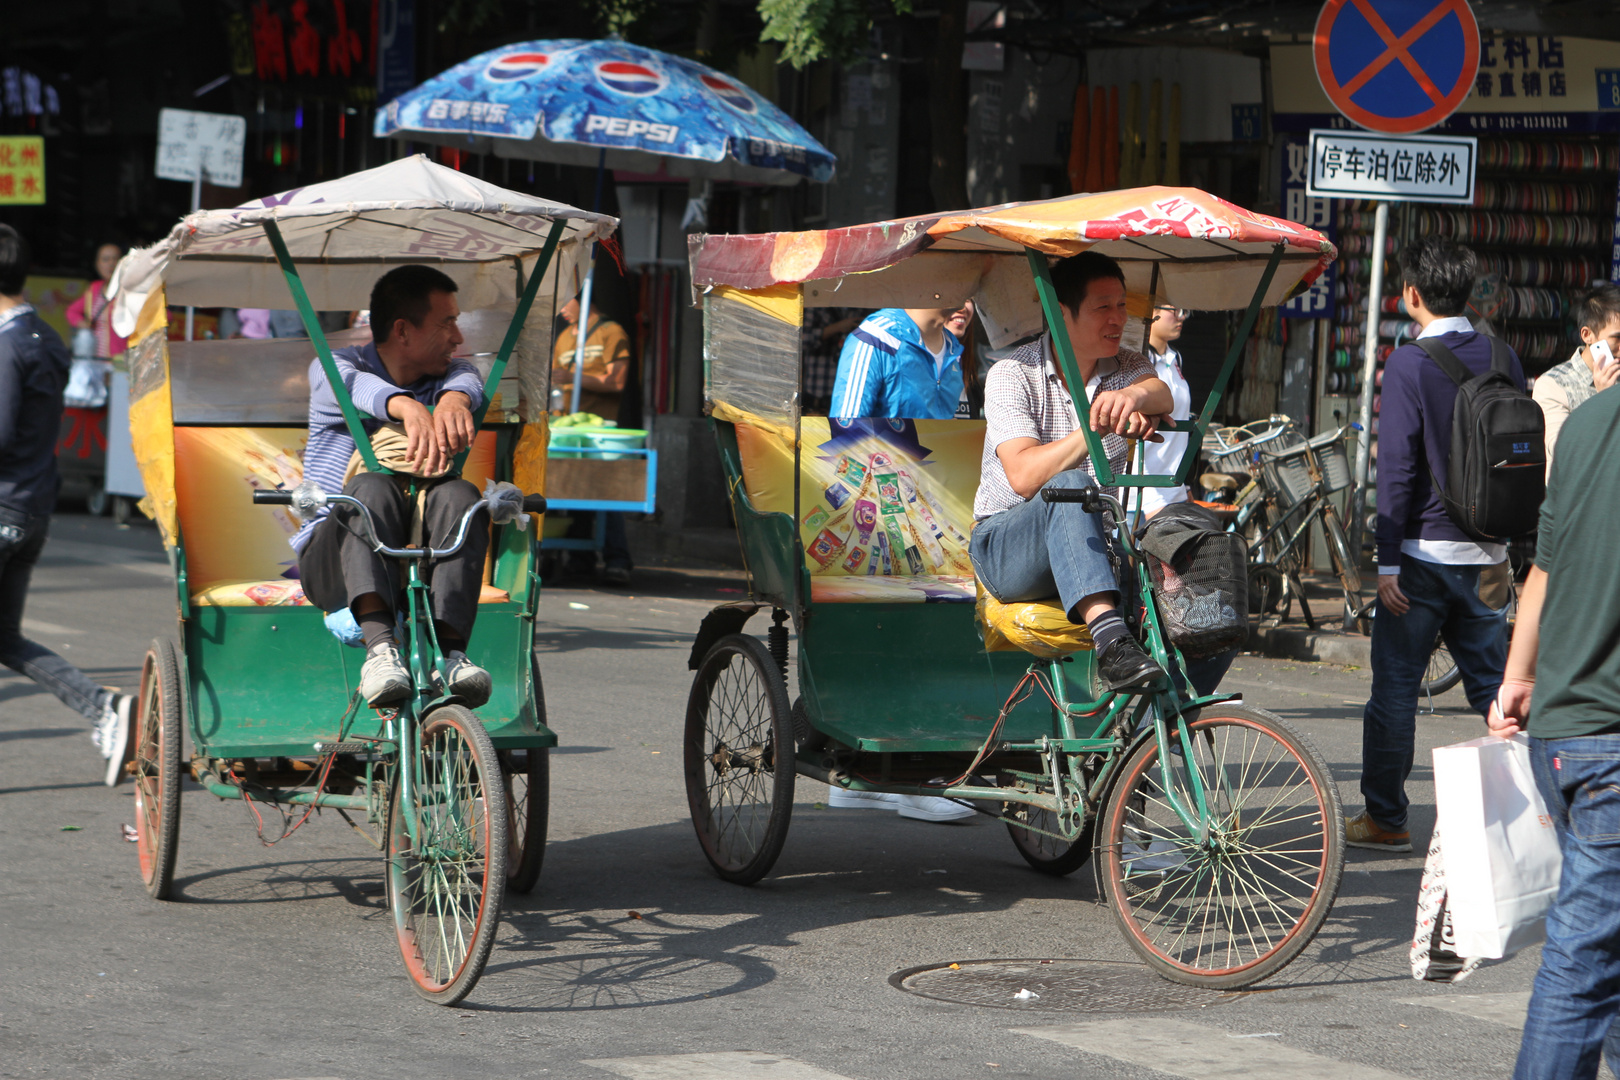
280	687
887	679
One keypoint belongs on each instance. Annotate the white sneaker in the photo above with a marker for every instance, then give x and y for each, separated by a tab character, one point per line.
843	798
111	735
933	808
467	680
383	678
1153	857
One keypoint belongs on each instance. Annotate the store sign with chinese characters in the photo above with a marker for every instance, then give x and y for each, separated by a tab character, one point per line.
1525	84
1317	302
22	170
1393	168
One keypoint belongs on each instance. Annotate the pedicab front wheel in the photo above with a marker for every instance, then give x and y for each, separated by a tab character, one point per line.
1235	906
157	768
739	758
445	887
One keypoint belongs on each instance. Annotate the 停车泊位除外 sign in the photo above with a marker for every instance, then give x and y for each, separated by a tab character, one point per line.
1396	168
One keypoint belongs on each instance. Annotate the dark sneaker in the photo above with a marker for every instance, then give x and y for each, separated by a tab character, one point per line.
616	575
1124	666
1363	832
467	680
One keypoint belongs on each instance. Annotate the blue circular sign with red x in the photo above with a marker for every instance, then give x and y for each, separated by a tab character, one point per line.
1397	66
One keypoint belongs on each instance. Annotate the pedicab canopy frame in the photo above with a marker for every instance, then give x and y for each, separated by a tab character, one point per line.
326	245
1179	246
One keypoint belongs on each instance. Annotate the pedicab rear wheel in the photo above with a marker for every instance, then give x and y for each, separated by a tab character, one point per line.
528	795
739	758
1051	854
445	888
157	768
1236	908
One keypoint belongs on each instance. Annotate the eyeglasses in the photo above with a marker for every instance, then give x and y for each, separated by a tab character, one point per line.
1178	312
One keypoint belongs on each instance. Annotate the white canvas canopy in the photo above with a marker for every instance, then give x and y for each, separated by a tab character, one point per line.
345	233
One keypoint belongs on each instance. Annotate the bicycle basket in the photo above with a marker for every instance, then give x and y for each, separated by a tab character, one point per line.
1333	458
1287	475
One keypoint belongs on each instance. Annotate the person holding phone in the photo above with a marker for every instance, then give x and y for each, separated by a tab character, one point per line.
1564	387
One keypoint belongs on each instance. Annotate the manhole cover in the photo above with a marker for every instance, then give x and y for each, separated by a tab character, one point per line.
1083	986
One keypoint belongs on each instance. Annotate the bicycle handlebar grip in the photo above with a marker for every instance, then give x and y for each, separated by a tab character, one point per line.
1089	498
534	504
272	498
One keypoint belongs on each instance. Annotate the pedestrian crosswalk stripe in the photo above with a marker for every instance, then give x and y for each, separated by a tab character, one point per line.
1201	1052
1505	1009
730	1065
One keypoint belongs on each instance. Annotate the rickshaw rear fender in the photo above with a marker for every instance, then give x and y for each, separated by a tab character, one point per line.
718	623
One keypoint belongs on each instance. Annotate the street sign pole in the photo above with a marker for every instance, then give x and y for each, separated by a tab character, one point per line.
1369	372
196	204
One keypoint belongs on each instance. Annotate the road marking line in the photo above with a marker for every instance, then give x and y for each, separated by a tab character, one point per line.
1505	1009
35	626
1201	1052
731	1065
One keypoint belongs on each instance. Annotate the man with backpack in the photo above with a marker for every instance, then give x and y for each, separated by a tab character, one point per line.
1461	466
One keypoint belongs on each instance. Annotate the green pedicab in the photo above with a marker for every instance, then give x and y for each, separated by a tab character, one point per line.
262	690
1216	827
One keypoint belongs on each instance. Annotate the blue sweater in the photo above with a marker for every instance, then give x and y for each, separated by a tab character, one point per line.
1414	435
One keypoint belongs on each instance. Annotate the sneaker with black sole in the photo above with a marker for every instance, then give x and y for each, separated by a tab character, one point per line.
111	735
468	681
1362	831
383	677
1124	666
616	575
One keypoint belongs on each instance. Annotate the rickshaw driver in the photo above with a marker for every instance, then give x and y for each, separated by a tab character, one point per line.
1024	548
407	367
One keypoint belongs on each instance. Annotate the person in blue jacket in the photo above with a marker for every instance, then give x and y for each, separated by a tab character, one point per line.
899	363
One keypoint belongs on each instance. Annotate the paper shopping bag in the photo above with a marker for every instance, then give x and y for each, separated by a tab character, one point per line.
1501	858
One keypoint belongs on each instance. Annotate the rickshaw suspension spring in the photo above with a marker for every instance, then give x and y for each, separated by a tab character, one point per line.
776	640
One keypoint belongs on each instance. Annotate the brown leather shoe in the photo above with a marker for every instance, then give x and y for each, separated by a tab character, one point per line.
1363	832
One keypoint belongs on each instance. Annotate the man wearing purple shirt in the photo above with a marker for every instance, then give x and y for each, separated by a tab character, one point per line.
1428	568
406	377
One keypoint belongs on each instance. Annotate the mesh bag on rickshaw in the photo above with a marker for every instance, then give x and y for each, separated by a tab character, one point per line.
1200	578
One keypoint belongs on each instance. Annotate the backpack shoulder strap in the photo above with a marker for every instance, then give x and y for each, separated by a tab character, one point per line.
1501	357
1447	359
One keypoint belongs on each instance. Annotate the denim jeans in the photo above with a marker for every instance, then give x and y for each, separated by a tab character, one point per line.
29	658
1577	992
1445	604
1037	550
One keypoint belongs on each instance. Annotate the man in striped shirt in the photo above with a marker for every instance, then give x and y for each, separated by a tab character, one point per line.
406	377
899	363
1023	547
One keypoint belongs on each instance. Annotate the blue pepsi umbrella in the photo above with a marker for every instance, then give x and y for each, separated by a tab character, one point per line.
608	103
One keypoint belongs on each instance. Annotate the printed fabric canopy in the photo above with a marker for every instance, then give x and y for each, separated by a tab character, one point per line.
569	101
342	235
1208	254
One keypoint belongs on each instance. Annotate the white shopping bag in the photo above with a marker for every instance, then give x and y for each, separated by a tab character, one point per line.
1502	859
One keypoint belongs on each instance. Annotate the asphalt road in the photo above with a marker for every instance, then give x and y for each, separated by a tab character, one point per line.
631	958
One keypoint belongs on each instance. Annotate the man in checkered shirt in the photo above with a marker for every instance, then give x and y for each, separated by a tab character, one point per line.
1025	548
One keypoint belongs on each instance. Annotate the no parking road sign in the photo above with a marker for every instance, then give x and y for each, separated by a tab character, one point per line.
1397	66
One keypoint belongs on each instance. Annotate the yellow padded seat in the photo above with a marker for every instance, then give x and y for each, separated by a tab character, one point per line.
283	593
1037	627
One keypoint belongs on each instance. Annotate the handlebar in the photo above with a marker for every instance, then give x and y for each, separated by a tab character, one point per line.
1093	500
313	498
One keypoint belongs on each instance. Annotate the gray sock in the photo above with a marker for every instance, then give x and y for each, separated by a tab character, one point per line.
1106	629
376	627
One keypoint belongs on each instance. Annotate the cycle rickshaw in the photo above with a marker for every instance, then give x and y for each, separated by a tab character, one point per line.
1216	827
262	690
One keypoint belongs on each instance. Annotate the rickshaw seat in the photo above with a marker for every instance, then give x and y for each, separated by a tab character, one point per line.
766	460
237	553
1038	627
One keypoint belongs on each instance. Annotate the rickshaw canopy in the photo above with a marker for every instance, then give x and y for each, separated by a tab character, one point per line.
1184	246
342	234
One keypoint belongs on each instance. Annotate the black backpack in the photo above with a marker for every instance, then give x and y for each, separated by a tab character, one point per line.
1496	474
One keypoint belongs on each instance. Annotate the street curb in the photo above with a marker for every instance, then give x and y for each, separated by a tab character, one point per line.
1297	643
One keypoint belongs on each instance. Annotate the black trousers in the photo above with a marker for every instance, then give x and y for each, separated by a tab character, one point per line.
19	551
337	566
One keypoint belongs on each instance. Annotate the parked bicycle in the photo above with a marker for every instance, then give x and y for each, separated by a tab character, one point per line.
1280	481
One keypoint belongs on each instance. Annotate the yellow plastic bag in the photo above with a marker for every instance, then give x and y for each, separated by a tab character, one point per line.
1039	627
